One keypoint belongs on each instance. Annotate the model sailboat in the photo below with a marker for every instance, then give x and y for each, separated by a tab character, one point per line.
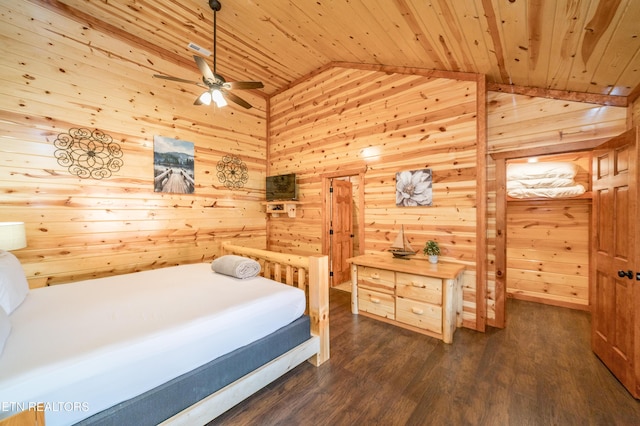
401	247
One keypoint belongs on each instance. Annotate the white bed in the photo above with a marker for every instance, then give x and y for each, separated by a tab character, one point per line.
93	344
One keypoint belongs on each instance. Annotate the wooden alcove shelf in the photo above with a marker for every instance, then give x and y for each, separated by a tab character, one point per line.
275	208
584	197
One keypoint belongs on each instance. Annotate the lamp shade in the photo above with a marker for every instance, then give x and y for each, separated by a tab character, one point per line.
12	236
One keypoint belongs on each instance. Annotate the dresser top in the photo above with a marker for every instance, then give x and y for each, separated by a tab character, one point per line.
443	270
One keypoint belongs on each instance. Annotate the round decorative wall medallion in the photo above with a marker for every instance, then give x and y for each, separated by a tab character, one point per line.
88	154
232	172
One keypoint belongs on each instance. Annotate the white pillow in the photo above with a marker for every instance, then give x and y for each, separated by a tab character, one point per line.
5	328
13	282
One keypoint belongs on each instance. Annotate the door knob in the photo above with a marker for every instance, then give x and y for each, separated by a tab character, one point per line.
628	274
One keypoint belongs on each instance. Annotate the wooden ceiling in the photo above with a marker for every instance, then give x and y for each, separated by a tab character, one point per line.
585	46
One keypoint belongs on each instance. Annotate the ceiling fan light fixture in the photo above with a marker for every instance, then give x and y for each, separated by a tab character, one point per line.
218	90
217	97
205	98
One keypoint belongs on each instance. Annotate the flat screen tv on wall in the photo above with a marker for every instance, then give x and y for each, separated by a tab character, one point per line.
282	187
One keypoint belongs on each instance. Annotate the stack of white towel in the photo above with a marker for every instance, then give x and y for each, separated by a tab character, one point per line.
543	180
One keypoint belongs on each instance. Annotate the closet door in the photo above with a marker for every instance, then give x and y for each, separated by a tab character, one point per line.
615	289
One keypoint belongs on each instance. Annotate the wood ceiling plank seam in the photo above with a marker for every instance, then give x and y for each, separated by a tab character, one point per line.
290	31
598	30
514	33
423	36
398	38
498	48
542	40
284	21
451	30
475	28
426	18
624	38
571	19
352	26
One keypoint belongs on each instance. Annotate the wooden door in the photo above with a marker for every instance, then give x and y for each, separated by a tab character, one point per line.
615	268
341	230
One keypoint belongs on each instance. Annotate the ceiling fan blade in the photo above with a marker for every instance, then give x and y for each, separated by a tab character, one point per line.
179	80
243	85
204	68
235	98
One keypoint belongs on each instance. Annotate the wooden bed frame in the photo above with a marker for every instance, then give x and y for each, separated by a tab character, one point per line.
307	273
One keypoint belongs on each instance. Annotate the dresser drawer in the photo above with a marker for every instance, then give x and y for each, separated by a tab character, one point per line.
376	279
377	303
419	287
419	314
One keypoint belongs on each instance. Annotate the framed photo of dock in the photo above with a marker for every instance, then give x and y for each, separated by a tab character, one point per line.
173	165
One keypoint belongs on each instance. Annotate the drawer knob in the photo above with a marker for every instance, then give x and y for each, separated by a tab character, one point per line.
417	311
375	275
416	284
375	300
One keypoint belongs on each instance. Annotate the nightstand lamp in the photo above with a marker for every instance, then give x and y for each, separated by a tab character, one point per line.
12	236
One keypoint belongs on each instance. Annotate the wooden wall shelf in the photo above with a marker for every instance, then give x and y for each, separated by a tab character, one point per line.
585	196
275	208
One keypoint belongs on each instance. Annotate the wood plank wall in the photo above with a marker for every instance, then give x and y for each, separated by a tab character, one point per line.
634	115
548	243
382	122
57	73
517	122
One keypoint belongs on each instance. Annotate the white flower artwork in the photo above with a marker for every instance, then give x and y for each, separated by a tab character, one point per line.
414	188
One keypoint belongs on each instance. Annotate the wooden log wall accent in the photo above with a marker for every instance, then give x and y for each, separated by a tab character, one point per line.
58	73
635	113
383	122
548	243
517	122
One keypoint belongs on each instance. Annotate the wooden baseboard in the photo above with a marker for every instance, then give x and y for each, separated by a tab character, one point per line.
548	300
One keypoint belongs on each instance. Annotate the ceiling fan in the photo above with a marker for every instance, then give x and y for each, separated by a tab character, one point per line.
218	89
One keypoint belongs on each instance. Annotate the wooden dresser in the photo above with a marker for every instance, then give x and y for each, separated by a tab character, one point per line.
410	293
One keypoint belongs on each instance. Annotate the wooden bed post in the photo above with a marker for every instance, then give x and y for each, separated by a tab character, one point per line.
318	287
319	305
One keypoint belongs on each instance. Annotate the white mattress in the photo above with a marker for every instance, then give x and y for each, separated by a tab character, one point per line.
83	347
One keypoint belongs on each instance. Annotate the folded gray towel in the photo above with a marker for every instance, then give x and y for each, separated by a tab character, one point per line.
236	266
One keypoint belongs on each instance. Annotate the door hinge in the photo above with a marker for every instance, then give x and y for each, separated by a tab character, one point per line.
331	189
330	231
331	273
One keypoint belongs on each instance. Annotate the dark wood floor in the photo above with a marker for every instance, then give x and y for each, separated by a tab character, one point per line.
539	370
